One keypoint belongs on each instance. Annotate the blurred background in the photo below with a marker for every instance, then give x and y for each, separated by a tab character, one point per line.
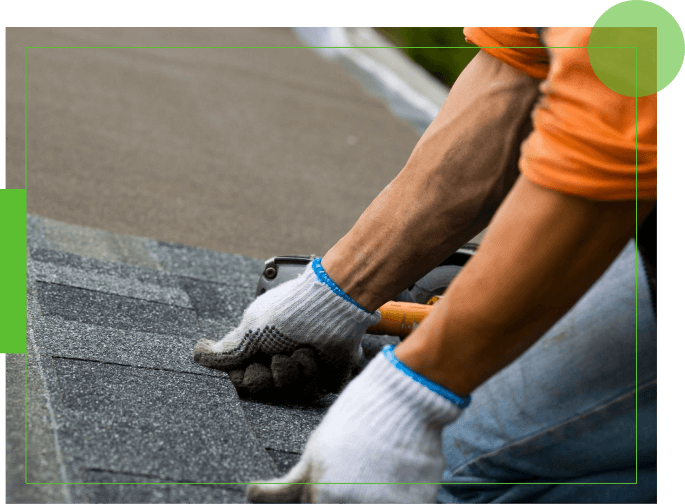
444	64
240	140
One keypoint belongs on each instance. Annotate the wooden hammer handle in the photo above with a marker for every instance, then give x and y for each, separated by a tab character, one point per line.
399	318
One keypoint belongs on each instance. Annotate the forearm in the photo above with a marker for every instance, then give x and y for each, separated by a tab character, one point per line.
542	252
456	177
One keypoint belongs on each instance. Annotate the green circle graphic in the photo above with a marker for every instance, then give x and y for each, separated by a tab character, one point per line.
636	48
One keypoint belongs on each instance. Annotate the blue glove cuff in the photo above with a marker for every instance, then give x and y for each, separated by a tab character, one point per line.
324	278
462	402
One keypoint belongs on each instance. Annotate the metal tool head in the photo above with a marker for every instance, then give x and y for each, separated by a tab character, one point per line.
280	269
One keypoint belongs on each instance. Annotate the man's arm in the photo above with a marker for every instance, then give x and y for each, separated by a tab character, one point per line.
543	250
456	177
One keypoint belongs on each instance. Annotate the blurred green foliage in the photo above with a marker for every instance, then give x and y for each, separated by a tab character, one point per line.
444	64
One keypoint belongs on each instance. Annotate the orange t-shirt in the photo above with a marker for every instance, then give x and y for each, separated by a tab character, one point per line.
584	137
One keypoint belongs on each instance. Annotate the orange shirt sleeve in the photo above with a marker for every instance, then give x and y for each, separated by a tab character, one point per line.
587	139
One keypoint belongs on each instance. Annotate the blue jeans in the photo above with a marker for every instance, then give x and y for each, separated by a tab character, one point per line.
565	411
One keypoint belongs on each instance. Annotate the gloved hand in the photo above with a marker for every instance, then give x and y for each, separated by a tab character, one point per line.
385	427
310	313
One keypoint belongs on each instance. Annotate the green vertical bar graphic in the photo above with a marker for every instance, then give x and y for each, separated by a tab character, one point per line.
13	270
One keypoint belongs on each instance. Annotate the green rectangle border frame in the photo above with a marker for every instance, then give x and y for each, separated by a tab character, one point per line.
13	270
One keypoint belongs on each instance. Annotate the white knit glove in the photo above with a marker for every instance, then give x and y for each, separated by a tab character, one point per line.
308	311
386	427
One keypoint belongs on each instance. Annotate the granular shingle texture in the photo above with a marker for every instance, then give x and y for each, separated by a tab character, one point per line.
112	333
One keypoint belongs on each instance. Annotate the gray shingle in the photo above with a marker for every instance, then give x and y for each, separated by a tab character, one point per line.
285	428
115	342
173	426
111	310
111	282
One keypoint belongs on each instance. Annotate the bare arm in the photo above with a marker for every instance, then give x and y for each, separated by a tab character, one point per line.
542	252
456	177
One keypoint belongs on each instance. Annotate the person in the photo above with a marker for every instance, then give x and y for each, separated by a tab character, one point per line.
526	370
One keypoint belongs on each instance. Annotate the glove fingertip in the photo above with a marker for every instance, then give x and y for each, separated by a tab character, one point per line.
257	378
201	347
274	492
285	371
236	376
282	489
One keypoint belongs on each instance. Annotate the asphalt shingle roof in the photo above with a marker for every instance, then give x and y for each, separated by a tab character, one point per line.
111	334
176	151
